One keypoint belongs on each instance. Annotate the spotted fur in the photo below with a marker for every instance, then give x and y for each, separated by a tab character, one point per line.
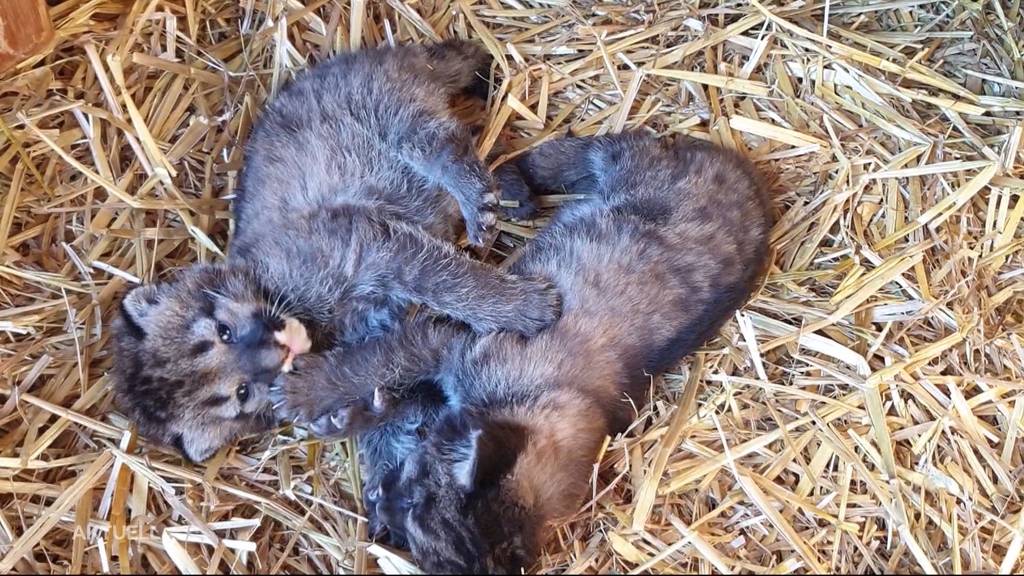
668	244
355	179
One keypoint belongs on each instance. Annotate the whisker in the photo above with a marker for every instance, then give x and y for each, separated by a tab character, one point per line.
278	302
214	293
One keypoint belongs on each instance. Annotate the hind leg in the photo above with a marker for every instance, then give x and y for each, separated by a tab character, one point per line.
443	154
461	67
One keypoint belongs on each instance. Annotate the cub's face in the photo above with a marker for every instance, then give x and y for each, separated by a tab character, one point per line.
194	358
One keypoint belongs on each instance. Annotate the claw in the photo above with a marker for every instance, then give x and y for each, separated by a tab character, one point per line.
335	420
279	404
378	400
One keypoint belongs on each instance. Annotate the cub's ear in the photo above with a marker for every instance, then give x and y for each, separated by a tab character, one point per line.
137	308
464	469
479	454
457	446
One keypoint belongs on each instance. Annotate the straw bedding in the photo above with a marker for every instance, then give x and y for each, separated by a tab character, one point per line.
863	413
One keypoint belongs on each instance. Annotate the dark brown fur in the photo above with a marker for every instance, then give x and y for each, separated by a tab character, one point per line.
355	178
669	244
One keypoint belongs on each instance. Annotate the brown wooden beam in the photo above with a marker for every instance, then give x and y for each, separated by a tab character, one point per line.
25	30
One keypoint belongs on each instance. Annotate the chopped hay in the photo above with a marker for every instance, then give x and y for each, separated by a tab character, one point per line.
863	413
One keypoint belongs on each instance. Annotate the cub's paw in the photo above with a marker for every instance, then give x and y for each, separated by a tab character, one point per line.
348	419
375	528
307	396
517	200
298	395
540	306
481	218
339	422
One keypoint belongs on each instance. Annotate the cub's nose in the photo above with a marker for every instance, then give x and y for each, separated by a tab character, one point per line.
268	362
256	330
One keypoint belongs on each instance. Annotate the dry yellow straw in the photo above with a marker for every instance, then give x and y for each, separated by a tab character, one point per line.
864	414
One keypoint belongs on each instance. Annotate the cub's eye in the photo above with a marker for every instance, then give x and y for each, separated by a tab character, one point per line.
224	333
242	393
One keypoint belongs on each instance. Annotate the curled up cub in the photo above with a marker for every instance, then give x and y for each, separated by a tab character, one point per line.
355	179
669	242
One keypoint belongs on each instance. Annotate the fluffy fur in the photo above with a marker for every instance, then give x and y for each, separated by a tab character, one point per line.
669	243
355	178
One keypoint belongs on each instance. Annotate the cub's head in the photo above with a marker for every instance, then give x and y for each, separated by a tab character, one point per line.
457	501
194	357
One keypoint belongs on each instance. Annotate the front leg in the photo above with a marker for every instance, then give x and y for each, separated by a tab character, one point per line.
518	200
432	272
589	165
352	388
308	395
561	164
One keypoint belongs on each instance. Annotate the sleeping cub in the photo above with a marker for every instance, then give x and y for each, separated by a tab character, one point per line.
350	198
670	241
